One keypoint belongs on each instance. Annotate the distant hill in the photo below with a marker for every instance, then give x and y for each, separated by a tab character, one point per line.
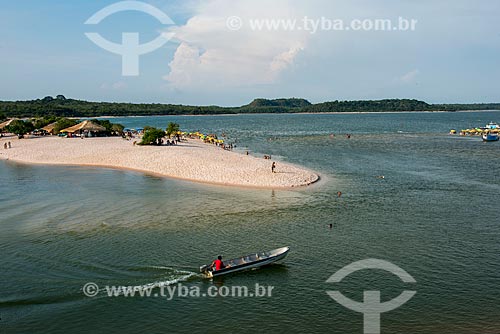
287	103
370	106
62	106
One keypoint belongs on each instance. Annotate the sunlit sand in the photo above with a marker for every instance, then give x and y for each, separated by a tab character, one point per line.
190	160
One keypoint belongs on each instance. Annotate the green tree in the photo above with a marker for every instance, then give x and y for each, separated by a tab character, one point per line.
172	129
117	129
40	122
20	128
2	117
63	123
111	128
152	136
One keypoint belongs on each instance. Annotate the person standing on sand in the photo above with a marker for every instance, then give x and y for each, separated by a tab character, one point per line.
10	146
273	167
5	145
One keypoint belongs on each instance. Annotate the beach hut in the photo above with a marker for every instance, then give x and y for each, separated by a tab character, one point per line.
87	128
50	128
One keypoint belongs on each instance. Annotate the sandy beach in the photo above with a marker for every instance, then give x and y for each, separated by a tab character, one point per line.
191	160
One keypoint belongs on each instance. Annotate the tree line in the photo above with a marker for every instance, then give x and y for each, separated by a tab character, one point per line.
63	107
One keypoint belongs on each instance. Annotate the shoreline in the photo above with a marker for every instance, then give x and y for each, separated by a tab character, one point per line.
191	161
162	176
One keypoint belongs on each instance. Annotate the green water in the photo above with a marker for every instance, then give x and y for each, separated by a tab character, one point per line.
435	215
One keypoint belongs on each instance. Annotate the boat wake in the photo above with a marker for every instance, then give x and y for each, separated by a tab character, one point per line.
183	276
166	276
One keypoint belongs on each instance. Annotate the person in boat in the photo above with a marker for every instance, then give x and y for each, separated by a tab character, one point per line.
218	264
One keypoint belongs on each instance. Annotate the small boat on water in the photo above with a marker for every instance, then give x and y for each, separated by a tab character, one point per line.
491	132
246	262
490	136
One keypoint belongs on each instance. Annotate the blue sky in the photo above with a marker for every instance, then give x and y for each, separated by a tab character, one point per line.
452	56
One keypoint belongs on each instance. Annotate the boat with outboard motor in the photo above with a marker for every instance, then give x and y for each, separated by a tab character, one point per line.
246	262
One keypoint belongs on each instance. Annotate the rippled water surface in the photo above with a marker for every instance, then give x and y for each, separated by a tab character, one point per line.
435	214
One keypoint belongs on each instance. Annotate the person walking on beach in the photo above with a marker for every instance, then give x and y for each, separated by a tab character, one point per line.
273	167
5	145
10	146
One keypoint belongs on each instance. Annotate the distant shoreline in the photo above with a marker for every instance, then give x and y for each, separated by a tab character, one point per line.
298	113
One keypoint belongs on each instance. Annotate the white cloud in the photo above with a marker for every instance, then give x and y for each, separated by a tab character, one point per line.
285	59
211	55
409	77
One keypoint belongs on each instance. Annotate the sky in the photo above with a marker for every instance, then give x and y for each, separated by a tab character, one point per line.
213	52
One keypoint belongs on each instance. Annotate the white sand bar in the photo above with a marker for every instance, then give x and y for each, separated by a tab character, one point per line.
192	160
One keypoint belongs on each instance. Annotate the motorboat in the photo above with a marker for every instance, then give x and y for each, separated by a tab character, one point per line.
491	132
490	136
246	262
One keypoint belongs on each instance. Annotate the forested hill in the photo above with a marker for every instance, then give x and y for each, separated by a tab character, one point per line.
61	106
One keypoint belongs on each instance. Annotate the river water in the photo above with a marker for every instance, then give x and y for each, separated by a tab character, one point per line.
434	214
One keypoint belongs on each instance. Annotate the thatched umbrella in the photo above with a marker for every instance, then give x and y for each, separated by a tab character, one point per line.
50	128
85	126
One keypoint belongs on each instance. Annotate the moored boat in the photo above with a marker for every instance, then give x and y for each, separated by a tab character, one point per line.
490	136
246	262
491	132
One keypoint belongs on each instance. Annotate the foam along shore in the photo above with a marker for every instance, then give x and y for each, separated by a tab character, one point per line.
190	160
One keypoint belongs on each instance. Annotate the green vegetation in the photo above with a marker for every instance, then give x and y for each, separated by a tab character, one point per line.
41	122
370	106
172	129
63	107
20	128
2	117
63	123
152	136
112	129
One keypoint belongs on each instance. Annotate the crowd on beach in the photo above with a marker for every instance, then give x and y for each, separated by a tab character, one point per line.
211	139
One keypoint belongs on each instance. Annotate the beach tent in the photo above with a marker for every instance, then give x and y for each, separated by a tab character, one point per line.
50	128
85	126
